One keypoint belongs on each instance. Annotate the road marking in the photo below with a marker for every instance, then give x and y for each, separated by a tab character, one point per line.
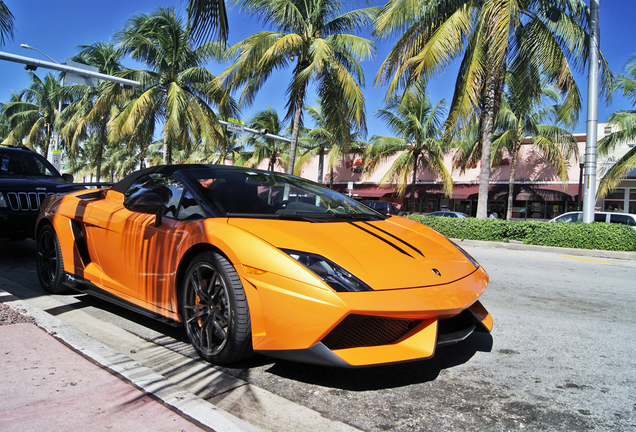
577	258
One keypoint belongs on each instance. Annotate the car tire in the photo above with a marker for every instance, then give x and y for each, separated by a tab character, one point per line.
214	310
48	261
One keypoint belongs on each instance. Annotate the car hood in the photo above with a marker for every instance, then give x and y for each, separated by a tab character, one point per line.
22	183
394	253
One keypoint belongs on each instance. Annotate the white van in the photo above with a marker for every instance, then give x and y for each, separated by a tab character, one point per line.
577	216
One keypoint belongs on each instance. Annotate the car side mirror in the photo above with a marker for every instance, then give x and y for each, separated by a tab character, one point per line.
146	202
68	178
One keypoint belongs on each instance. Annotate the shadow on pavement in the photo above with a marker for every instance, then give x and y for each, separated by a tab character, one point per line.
383	377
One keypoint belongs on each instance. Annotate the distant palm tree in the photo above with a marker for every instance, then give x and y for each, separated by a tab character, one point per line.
312	36
492	37
625	123
177	90
6	23
5	128
33	116
263	147
83	118
419	140
331	134
521	118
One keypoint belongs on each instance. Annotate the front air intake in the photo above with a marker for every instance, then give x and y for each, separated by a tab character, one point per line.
361	331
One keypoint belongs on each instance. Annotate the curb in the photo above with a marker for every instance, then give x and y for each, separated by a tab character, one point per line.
592	253
181	401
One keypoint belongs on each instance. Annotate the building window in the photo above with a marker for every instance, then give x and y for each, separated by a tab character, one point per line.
632	201
554	209
536	210
615	201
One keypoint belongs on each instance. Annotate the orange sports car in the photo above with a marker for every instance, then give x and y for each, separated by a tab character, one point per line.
258	261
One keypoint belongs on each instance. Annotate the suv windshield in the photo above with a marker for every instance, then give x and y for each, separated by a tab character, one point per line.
25	163
268	194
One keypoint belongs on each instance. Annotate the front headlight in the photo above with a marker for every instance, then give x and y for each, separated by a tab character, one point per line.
331	273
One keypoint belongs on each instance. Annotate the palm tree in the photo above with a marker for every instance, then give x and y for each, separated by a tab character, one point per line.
34	114
310	36
625	122
419	140
176	90
517	119
6	23
83	118
263	147
208	18
5	129
332	133
531	39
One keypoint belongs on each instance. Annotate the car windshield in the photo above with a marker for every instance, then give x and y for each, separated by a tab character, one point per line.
246	193
24	163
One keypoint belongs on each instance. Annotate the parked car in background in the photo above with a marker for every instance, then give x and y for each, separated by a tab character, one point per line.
609	217
382	207
448	213
26	179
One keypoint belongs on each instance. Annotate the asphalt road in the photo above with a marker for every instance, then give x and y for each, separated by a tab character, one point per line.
561	357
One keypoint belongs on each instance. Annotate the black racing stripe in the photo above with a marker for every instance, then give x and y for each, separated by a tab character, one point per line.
395	237
381	238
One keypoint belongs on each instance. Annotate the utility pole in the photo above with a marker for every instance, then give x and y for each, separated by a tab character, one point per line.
589	196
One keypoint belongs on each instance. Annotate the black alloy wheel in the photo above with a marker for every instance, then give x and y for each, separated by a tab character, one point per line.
48	261
215	311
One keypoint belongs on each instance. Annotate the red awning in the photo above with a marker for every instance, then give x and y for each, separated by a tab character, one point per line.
465	191
368	191
497	192
546	192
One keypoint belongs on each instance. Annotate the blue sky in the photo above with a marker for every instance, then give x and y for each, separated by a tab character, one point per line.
58	27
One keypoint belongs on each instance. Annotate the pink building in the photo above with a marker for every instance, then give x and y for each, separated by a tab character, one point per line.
538	193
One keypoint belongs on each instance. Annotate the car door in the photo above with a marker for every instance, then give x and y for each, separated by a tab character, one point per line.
136	257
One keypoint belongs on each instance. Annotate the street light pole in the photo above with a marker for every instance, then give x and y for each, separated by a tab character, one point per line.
27	46
581	166
589	198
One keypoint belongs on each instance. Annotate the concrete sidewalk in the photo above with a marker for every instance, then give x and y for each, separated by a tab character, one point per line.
55	378
48	387
515	245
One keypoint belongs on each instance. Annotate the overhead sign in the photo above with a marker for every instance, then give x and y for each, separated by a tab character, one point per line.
236	126
78	79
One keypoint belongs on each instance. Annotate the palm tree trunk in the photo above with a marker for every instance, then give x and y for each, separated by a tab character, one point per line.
295	132
100	151
487	125
98	163
47	143
321	163
511	180
417	156
167	152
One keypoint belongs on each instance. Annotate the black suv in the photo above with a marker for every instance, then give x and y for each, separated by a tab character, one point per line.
26	179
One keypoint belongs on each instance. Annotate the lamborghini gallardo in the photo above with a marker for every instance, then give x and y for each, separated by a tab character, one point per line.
252	261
